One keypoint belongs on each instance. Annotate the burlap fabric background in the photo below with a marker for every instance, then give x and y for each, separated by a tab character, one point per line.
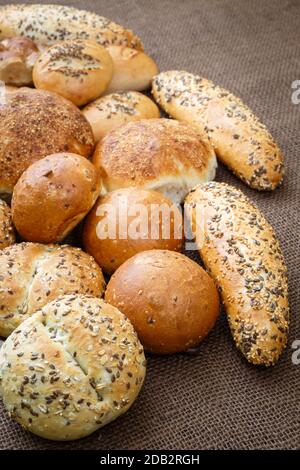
214	399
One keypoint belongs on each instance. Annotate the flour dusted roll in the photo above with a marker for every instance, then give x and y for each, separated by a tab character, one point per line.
71	368
32	275
7	232
240	140
17	58
241	252
48	24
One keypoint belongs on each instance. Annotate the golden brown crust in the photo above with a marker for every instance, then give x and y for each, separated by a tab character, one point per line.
111	111
170	300
79	70
17	58
241	252
72	186
32	275
240	140
110	253
34	124
155	154
71	368
48	24
7	232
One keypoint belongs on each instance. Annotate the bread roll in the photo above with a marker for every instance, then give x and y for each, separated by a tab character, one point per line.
240	140
133	70
7	233
139	220
48	24
111	111
160	154
34	124
78	70
32	275
17	58
170	300
71	368
241	252
71	185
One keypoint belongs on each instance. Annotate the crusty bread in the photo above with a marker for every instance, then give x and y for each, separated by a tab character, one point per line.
160	154
111	111
71	368
72	186
79	70
7	232
133	70
32	275
159	226
240	140
241	252
34	124
17	58
170	300
48	24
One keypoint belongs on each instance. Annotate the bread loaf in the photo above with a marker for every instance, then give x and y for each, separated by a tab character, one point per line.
241	252
17	58
240	140
71	368
7	233
32	275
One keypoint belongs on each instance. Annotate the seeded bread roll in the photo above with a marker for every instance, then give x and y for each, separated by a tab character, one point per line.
160	154
240	140
241	252
34	124
32	275
133	70
111	111
17	58
48	24
79	70
71	368
7	233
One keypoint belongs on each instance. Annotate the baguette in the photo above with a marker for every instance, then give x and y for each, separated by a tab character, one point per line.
240	140
48	24
240	251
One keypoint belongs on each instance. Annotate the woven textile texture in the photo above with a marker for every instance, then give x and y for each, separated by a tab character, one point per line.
213	398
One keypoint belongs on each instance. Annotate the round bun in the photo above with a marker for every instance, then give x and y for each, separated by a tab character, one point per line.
160	154
111	111
157	225
17	58
34	124
32	275
7	233
71	368
71	185
133	70
170	300
78	70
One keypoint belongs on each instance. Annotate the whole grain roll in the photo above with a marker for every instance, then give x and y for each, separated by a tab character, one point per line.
17	58
32	275
71	368
160	154
34	124
7	232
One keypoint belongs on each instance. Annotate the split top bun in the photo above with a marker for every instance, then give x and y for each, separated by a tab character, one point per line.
17	58
71	368
160	154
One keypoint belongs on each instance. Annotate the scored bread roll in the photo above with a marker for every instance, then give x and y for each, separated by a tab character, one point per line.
160	154
48	24
170	300
34	124
111	111
240	140
71	185
139	220
133	70
79	70
7	233
32	275
71	368
241	252
17	58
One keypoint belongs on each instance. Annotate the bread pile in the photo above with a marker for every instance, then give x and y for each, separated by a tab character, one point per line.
85	155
